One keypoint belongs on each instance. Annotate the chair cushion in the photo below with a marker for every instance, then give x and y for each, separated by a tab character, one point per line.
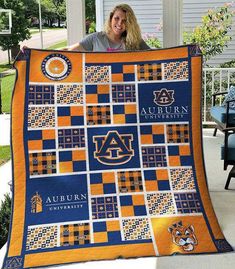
230	96
231	148
219	114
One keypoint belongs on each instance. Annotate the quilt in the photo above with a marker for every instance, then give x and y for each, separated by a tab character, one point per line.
108	159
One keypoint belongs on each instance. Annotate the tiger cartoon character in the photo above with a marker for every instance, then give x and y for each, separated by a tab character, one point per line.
183	236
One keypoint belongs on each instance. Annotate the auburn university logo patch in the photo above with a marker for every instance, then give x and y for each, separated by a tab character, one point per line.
164	97
113	148
56	66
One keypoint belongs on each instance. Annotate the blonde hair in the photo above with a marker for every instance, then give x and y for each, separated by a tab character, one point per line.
132	35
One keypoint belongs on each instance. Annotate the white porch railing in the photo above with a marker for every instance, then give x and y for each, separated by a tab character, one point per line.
215	80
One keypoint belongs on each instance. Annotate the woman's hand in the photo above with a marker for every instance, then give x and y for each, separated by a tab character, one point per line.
23	47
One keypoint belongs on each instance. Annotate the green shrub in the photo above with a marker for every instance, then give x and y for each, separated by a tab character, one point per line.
5	213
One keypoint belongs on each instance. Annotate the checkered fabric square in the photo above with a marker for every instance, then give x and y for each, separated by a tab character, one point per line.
71	138
177	133
154	156
96	94
97	74
72	161
123	93
41	237
74	234
69	94
70	116
133	205
136	229
149	72
176	70
41	95
152	134
98	115
102	183
107	231
182	179
156	180
122	73
179	155
41	163
104	207
130	181
187	202
41	139
160	203
124	113
41	117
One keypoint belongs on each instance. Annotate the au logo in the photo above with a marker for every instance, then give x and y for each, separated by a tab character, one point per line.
36	203
113	148
164	97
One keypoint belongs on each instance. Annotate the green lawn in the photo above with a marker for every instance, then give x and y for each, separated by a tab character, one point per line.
60	45
5	154
7	87
4	67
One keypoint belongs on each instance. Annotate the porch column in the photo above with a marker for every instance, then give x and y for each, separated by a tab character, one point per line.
75	13
172	23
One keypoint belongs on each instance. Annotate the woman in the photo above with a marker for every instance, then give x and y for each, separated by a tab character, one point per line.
122	32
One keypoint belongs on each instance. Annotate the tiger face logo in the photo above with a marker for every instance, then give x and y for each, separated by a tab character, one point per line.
183	236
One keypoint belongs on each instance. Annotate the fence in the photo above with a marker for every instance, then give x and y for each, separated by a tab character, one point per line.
215	80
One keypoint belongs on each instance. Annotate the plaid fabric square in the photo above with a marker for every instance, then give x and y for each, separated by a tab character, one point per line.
156	180
70	116
72	161
176	70
41	95
130	181
71	138
160	204
179	155
102	183
133	205
41	237
182	179
154	156
41	163
98	115
41	139
69	94
152	134
104	207
107	231
74	234
97	74
187	202
149	72
41	117
123	93
124	113
97	94
177	133
122	73
136	229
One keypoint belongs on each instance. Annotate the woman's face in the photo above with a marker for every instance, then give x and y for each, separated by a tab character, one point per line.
118	22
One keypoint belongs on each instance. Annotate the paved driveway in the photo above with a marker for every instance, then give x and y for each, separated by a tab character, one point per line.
50	37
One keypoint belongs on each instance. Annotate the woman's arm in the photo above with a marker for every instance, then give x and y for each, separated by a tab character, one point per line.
75	46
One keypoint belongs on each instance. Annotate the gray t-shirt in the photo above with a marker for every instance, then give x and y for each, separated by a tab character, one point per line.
99	42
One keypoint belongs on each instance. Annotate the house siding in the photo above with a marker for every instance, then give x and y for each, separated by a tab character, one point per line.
149	14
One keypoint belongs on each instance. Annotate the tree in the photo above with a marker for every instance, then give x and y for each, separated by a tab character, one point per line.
213	34
20	25
5	213
54	9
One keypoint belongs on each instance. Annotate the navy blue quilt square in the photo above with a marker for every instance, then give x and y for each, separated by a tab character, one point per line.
113	148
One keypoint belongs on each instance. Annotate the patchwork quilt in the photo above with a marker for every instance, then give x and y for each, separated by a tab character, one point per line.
107	158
